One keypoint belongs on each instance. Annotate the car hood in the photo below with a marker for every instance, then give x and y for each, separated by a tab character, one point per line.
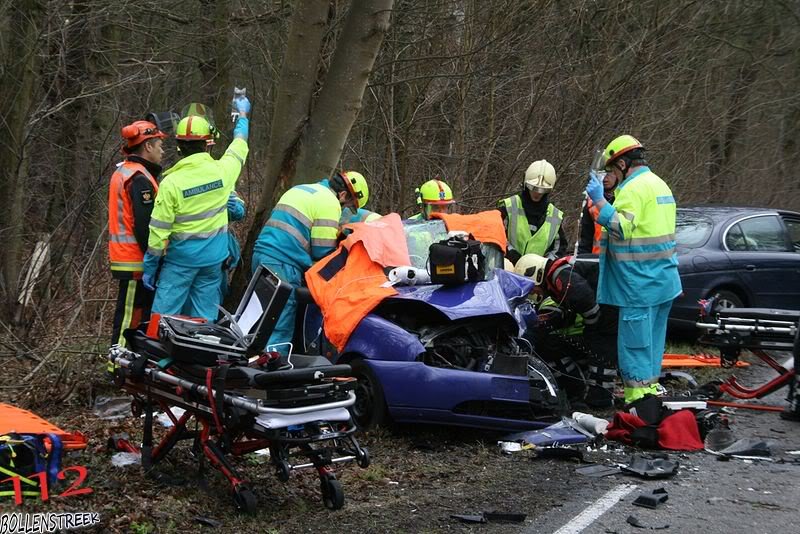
490	297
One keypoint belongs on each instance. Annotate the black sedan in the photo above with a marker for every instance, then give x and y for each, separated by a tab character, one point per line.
745	256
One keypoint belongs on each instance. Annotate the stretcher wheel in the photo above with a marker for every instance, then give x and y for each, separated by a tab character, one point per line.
332	493
245	499
362	457
282	470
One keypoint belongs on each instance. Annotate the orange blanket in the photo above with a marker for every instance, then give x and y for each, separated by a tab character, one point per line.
348	284
486	226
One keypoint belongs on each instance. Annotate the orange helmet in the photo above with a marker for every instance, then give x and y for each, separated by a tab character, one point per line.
139	132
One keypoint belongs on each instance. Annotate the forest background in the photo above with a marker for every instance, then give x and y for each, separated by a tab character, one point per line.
469	91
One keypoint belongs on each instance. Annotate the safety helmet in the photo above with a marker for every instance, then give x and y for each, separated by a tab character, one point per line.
619	146
140	131
194	128
435	192
540	176
532	266
357	185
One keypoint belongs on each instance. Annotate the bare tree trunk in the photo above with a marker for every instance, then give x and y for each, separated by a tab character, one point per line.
17	88
292	105
340	100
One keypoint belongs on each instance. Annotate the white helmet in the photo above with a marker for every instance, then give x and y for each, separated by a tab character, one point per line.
532	266
540	176
507	265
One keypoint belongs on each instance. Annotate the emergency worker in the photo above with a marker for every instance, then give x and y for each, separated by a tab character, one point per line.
638	263
301	230
570	287
189	226
131	194
434	196
591	230
533	223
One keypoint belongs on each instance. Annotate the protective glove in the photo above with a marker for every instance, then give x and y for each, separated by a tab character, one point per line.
242	128
241	104
148	282
595	187
236	210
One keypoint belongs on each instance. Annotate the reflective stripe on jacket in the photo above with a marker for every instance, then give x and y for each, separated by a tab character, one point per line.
302	227
638	263
124	252
189	223
519	230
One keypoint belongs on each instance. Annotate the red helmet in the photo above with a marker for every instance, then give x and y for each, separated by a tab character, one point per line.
139	132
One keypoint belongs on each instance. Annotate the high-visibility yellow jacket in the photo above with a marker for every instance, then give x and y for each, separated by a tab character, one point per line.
638	262
302	227
189	224
520	237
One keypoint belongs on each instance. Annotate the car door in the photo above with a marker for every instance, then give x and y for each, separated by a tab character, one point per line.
758	248
792	280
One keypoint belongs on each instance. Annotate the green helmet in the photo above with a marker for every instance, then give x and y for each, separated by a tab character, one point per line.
619	146
435	192
357	185
194	128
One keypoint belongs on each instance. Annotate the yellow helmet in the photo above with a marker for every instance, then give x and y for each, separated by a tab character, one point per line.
532	266
619	146
435	192
357	185
540	176
194	128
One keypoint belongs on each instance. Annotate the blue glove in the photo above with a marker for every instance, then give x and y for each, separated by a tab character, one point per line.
595	187
148	282
236	210
241	104
242	128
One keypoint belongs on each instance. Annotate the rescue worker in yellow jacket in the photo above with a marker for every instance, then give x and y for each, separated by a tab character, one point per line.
638	263
189	224
533	223
302	229
131	195
434	196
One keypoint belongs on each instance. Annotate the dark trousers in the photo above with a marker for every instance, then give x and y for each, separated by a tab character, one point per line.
133	306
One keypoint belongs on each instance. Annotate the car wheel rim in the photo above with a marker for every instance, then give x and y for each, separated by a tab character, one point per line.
725	304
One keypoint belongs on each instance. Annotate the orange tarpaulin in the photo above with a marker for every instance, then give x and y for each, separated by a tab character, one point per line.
486	226
17	420
348	284
383	238
695	360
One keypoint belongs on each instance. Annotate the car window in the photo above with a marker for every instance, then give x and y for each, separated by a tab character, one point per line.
420	235
793	225
756	234
692	229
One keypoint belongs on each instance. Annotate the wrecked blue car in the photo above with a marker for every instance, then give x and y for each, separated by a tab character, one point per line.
446	354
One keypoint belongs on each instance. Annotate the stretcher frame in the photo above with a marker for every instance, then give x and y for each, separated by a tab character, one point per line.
302	416
758	330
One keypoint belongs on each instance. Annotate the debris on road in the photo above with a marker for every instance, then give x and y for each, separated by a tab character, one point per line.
651	499
651	467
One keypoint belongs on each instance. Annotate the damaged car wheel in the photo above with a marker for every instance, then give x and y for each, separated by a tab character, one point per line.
369	409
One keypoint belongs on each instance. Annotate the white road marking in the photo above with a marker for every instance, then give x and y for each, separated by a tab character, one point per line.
598	508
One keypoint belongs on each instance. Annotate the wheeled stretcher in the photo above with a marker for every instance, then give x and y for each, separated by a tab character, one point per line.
758	330
237	399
